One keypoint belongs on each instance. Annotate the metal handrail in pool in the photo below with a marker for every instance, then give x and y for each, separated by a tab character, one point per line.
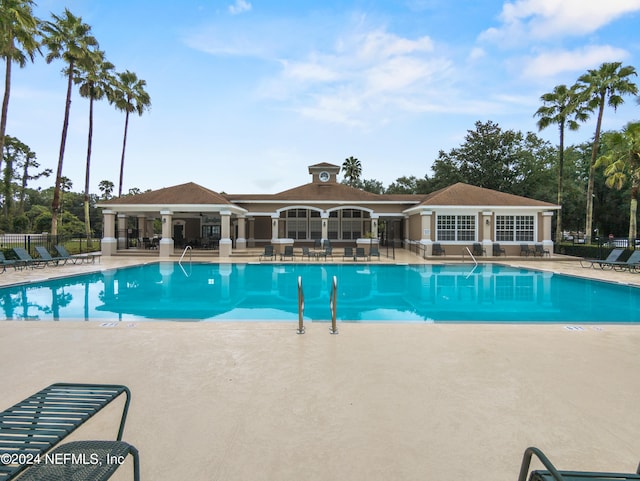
333	301
300	307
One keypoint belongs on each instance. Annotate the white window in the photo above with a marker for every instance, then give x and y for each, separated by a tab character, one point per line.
456	228
515	228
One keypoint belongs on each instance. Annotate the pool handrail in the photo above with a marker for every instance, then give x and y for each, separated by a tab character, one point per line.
300	307
333	300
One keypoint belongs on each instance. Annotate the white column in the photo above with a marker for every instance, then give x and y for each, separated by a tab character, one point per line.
166	243
252	232
426	236
325	225
274	226
487	230
122	231
109	242
225	233
547	243
142	229
241	241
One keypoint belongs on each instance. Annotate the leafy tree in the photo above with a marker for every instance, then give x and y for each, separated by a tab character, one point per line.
622	165
96	81
352	169
409	185
597	88
18	42
561	107
492	158
129	96
69	39
106	187
26	163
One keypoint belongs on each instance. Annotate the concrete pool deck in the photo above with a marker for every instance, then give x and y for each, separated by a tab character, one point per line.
255	401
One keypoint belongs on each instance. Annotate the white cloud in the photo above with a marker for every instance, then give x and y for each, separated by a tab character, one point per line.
549	64
240	6
547	19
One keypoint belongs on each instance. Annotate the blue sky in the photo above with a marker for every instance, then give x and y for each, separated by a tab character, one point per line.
247	93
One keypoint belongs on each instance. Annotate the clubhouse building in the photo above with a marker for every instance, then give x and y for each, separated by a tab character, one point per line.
455	217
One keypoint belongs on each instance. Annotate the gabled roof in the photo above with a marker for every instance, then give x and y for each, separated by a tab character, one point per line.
465	194
189	193
331	191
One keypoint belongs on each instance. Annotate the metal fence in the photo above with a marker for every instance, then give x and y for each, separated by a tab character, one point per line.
74	245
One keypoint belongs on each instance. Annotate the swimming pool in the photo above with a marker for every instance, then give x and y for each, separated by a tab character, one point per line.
418	293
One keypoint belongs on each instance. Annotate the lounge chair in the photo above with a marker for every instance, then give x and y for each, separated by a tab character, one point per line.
478	250
551	473
374	252
437	249
46	256
288	252
540	251
4	262
360	253
348	253
525	250
29	261
63	253
633	262
498	251
613	256
268	253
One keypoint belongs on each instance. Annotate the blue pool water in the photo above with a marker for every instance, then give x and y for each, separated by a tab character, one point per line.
419	293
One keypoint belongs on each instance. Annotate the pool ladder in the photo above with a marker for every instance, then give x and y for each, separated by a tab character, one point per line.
333	301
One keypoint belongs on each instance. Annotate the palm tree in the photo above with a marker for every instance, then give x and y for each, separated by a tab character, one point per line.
606	85
560	107
68	38
352	169
622	163
130	96
95	80
106	187
18	34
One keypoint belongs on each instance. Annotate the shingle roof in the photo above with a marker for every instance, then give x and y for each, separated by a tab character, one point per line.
189	193
465	194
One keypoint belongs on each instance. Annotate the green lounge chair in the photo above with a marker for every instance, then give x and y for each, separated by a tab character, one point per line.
29	261
498	250
360	253
48	258
613	256
633	262
348	253
539	250
525	250
374	252
551	473
4	262
63	253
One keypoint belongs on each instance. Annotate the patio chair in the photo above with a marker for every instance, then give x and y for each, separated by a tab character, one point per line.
437	249
613	256
374	252
525	250
306	253
288	252
633	262
63	253
4	262
478	250
25	257
360	253
551	473
498	250
268	253
348	253
46	256
540	251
